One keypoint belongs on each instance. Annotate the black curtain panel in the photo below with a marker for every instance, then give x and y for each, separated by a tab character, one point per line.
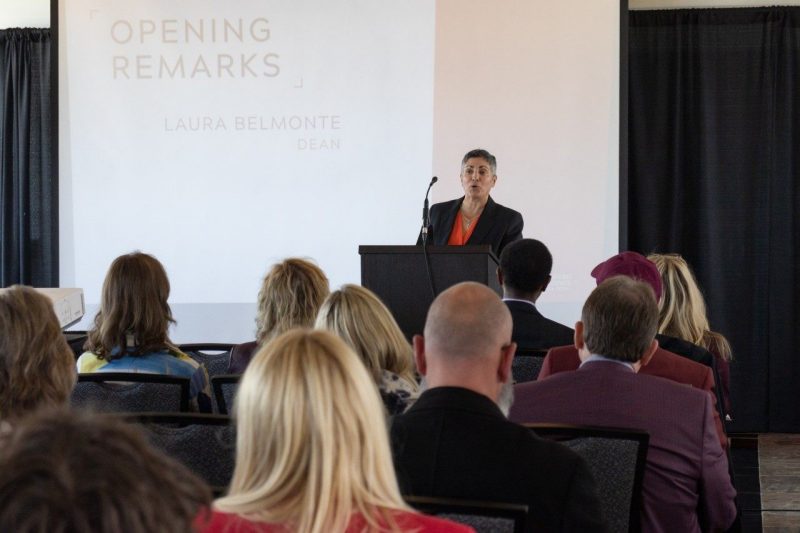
714	142
28	171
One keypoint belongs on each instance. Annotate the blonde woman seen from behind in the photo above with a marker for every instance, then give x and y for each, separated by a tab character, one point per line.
312	450
290	296
683	315
358	317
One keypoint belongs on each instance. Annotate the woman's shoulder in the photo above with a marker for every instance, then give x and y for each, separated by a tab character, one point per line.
89	362
501	210
397	393
449	204
718	345
391	382
219	522
409	520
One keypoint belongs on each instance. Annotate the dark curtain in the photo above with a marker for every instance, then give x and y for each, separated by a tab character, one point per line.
714	141
28	172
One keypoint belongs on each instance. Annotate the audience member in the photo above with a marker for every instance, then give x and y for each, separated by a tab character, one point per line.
290	297
37	367
663	363
686	471
637	266
358	317
130	331
312	452
524	274
683	315
78	472
455	440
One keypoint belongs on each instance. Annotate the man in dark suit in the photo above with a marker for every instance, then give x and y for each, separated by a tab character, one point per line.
524	274
475	218
455	440
686	474
663	363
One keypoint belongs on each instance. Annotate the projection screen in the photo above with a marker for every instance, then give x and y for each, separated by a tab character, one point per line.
222	137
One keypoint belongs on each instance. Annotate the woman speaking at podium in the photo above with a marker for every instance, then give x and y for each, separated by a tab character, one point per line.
475	218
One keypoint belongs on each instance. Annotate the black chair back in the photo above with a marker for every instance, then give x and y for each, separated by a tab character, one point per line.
616	458
527	364
76	339
225	387
213	355
483	517
205	443
131	392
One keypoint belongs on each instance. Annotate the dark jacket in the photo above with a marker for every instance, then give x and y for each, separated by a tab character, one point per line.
498	225
456	443
532	331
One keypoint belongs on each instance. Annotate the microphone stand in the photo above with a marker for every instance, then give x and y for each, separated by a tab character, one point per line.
426	224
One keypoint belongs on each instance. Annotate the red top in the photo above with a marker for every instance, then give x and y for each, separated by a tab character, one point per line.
407	521
457	236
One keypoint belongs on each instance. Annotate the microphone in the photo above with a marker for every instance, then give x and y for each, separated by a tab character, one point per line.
426	220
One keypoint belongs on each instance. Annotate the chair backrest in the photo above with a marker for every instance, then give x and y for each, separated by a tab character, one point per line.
224	391
616	458
213	355
527	364
489	517
131	392
205	443
76	339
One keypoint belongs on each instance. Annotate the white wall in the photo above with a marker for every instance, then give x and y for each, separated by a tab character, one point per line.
696	4
24	13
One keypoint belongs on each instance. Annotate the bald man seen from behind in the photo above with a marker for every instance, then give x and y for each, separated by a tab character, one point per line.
456	441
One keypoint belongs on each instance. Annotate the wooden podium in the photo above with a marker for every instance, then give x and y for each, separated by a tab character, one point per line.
399	276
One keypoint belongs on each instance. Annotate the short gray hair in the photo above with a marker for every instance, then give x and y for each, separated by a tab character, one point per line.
620	319
483	154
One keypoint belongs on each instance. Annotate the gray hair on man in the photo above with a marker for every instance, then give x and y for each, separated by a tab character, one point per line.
620	319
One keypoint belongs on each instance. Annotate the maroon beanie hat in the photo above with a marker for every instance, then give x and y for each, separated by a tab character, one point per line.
634	266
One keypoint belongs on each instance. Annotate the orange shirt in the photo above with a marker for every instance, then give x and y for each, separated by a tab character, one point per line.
457	235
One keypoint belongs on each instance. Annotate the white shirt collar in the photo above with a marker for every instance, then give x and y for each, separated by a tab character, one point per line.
596	357
518	300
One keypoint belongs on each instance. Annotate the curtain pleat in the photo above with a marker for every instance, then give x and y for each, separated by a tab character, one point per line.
714	138
28	166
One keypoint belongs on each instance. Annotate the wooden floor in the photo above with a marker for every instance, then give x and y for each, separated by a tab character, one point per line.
779	476
767	469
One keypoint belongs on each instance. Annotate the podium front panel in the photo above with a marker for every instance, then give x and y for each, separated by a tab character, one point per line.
399	276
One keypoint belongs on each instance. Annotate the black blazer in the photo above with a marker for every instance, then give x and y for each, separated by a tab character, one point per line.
498	225
456	443
694	352
532	331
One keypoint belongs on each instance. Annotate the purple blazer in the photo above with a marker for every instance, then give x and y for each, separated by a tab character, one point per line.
686	469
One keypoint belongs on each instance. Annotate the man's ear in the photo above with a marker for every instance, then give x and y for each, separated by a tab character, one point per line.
648	354
506	359
580	342
546	283
419	354
578	337
500	276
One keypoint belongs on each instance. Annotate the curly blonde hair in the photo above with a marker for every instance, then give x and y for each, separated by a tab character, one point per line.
683	308
291	294
37	367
